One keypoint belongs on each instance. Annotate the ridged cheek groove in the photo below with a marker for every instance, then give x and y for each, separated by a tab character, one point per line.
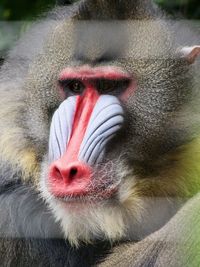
106	119
61	128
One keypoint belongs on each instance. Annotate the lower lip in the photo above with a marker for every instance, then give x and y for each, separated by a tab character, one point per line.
89	197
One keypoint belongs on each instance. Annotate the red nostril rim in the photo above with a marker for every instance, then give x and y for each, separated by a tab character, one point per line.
64	174
68	173
55	172
69	179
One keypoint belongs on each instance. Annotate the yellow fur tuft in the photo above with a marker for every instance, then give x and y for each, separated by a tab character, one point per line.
18	155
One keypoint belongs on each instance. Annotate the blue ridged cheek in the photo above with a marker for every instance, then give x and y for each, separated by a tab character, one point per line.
61	128
106	119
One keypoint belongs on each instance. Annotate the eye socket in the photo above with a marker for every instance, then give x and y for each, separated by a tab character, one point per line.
105	86
72	86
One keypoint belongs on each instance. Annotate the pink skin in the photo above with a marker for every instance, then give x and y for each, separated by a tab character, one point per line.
68	176
86	72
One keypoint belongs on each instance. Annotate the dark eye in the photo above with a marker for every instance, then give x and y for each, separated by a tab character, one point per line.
105	86
72	86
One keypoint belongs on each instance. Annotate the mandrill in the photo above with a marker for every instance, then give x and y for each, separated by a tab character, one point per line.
99	140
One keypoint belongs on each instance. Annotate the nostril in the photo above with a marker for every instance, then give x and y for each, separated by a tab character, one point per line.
73	172
56	173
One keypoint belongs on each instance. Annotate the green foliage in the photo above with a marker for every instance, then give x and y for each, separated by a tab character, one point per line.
187	8
22	9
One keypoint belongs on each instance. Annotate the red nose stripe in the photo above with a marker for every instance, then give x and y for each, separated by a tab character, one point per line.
69	176
84	107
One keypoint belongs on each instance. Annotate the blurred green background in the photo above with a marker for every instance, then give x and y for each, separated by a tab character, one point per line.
15	15
24	9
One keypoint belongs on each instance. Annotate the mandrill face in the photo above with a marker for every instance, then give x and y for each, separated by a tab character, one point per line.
104	122
84	174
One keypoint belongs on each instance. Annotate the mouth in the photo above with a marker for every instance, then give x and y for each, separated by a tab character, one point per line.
89	195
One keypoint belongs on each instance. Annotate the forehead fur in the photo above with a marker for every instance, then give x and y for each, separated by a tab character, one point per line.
116	9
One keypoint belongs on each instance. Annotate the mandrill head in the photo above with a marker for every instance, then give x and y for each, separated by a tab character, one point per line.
104	107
